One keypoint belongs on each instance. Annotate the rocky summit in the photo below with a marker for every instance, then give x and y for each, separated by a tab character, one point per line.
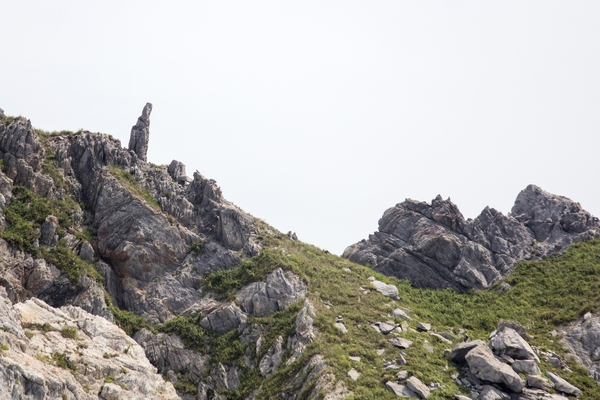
122	279
432	245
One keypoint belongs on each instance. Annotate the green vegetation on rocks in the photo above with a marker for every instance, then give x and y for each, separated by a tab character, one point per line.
544	294
128	180
25	215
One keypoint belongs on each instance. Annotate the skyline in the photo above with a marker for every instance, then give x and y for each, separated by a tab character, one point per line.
318	117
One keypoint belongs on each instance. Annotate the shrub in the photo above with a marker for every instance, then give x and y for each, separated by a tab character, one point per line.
69	332
126	320
197	247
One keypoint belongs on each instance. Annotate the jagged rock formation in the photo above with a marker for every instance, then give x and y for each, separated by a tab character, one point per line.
91	235
71	354
153	233
432	245
140	134
143	254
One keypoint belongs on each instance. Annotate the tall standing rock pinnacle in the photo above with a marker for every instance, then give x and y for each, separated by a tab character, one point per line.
140	133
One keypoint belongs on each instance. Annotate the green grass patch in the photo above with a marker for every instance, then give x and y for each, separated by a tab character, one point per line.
189	330
128	181
126	320
25	215
69	263
225	282
69	332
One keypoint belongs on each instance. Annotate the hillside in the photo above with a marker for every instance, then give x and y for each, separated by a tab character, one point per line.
224	306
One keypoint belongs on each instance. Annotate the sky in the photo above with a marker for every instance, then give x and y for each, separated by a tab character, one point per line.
317	116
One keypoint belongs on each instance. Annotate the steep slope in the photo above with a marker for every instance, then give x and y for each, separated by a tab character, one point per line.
432	245
226	307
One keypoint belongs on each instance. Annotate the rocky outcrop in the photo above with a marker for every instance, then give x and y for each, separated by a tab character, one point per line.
69	353
492	370
484	365
432	245
582	339
169	355
140	134
276	294
224	319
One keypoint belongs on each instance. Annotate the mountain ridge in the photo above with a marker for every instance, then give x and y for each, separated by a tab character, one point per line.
226	307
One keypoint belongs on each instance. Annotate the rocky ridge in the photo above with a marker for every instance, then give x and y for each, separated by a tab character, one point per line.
432	245
223	306
151	233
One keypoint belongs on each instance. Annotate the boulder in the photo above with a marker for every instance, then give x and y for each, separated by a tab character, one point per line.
86	253
400	342
414	384
485	366
48	231
398	313
400	390
462	349
353	374
385	289
508	342
491	393
538	382
562	385
527	367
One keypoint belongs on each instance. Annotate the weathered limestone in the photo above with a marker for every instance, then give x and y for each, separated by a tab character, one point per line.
29	369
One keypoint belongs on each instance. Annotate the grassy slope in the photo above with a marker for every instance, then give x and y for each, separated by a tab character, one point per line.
544	294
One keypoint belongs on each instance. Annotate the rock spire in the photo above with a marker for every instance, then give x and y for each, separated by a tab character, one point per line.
140	133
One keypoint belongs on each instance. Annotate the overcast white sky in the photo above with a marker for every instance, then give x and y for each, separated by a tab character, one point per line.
316	116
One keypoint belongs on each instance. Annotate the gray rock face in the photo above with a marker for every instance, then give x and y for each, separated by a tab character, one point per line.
224	318
140	133
432	245
305	332
277	293
385	289
582	337
485	366
167	353
23	157
272	360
